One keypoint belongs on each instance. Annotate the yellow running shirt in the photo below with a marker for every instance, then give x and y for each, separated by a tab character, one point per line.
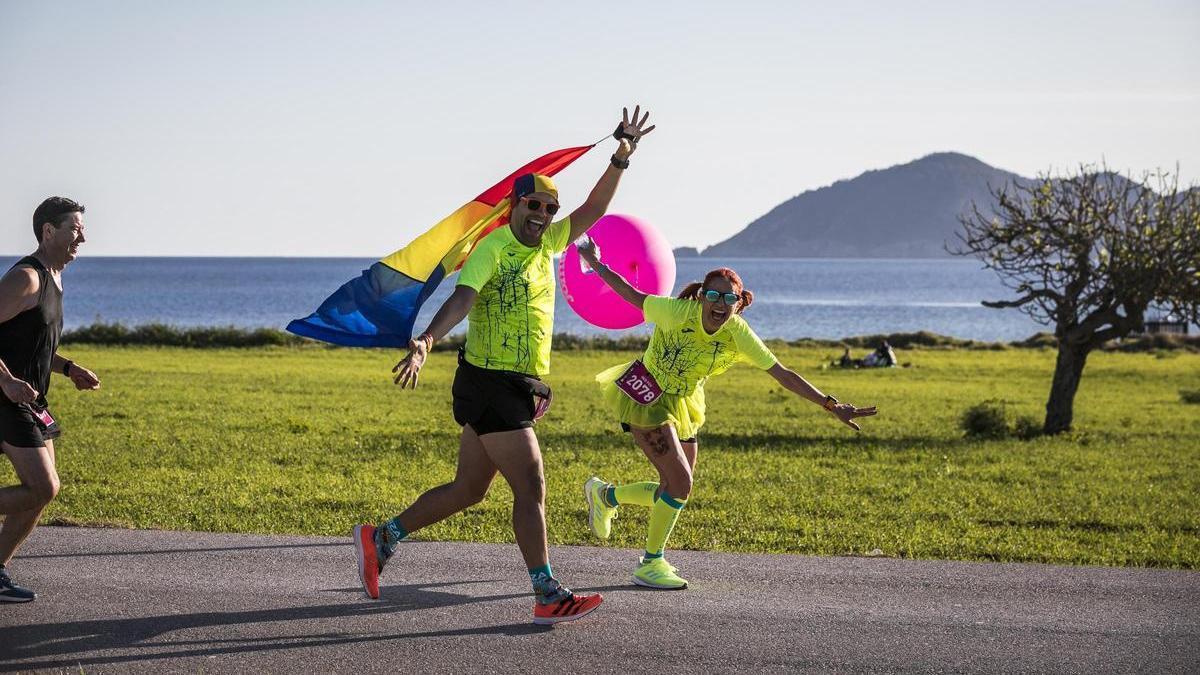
512	321
681	355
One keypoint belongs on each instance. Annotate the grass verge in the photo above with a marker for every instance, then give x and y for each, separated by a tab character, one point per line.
290	440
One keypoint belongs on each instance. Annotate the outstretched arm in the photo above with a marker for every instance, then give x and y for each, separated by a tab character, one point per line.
450	314
597	202
802	388
615	281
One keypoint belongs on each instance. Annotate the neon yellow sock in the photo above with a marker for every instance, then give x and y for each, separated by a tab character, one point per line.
641	494
663	515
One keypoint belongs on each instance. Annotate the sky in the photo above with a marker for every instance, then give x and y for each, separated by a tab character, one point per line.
346	129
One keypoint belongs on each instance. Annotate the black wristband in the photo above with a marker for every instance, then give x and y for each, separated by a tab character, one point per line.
620	133
621	164
67	367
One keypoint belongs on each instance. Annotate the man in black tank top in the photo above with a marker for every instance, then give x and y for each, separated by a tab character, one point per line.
30	324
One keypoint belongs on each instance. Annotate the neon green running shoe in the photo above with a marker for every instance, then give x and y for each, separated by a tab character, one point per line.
600	514
658	573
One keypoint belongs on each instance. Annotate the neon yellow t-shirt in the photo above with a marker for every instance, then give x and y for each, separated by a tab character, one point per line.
681	355
512	321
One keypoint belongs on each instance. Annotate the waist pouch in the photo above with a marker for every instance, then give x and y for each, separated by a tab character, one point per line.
41	415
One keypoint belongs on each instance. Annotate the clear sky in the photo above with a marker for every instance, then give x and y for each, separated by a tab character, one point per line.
322	128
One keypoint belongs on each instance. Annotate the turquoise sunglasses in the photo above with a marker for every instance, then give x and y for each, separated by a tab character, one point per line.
731	299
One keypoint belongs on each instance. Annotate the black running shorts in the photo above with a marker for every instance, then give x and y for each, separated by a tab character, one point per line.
19	428
493	400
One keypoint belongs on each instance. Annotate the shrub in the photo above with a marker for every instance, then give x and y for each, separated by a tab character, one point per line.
986	420
172	336
1190	395
994	418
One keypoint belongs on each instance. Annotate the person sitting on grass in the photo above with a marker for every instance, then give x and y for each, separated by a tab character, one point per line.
659	398
882	357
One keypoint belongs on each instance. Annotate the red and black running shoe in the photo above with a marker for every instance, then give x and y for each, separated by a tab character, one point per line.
572	606
368	560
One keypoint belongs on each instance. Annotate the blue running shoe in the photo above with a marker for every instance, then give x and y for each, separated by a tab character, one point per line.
10	592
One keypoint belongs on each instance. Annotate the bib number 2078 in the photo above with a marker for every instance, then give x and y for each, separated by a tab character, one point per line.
638	384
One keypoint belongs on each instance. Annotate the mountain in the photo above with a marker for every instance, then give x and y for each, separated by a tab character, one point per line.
905	211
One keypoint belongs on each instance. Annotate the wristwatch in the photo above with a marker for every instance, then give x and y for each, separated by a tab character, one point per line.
619	163
829	403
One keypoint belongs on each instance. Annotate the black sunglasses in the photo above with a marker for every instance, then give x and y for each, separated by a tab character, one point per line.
536	205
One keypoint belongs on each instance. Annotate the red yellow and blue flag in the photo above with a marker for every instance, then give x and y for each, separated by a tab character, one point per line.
379	307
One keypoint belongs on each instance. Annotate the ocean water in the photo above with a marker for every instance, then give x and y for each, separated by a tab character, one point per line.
825	298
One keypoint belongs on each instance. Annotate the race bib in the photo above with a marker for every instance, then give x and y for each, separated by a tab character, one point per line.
638	384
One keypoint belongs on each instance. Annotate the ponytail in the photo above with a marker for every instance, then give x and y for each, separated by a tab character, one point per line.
691	291
747	298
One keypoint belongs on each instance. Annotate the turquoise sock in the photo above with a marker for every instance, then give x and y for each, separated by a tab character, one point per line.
610	495
390	534
543	580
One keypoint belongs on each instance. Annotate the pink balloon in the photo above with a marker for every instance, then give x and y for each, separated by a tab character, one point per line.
633	249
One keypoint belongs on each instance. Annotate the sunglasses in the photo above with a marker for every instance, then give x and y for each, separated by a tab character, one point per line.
731	299
536	205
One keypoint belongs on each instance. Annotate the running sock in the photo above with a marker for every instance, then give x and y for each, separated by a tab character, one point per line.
545	586
641	494
388	535
663	515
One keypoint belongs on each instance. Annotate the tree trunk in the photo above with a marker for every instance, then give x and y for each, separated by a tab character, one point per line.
1067	371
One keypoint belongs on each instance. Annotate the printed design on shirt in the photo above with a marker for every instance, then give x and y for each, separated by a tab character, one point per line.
677	356
508	323
721	357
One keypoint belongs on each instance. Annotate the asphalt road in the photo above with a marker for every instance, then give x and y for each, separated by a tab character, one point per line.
121	600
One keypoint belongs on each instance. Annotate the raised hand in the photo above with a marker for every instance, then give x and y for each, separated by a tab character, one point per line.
408	370
847	414
587	250
631	130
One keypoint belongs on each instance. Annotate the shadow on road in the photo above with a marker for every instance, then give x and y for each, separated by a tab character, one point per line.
78	643
163	551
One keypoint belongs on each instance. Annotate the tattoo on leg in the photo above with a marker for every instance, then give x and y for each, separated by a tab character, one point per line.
659	444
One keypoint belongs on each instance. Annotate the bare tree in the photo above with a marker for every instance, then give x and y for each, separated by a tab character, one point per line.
1089	254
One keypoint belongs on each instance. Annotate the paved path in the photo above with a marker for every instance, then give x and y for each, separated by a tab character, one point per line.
119	600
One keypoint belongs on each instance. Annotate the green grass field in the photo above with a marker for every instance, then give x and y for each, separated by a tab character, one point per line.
310	440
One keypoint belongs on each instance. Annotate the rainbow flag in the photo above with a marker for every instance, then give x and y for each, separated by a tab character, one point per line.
378	308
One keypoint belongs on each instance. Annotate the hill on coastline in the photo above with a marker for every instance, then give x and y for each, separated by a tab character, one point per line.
905	211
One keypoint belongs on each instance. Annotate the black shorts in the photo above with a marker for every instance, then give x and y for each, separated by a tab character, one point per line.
19	428
495	400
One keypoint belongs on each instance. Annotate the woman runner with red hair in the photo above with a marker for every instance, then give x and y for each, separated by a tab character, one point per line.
660	399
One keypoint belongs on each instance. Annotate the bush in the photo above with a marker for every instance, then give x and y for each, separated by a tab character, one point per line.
162	335
1158	342
994	419
1190	395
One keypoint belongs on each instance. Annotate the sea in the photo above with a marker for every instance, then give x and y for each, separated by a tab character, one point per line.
794	298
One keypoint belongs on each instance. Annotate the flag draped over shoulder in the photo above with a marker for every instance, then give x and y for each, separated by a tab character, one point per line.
378	308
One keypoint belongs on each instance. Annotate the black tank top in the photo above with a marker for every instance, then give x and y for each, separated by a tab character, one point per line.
29	340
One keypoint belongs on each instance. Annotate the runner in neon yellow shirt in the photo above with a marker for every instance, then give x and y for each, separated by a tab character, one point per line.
507	288
660	399
511	323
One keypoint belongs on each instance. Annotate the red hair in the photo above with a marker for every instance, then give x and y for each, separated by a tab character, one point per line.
692	290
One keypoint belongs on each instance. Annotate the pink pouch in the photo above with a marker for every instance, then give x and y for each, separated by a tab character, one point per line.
43	417
638	384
